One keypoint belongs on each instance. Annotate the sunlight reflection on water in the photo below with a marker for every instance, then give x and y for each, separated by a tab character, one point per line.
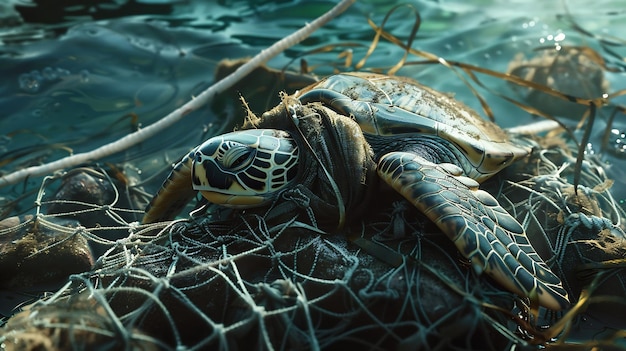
106	63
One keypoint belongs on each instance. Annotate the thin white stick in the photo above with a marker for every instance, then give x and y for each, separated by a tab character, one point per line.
534	128
195	103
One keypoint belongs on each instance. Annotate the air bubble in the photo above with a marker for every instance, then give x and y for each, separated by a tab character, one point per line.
62	72
84	76
28	83
36	76
49	73
31	82
590	150
617	142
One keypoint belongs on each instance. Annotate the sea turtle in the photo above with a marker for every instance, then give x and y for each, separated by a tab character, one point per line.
426	145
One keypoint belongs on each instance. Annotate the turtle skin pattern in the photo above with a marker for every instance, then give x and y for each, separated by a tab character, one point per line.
173	195
480	228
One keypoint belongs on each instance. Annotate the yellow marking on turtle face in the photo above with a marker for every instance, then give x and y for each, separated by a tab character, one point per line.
230	200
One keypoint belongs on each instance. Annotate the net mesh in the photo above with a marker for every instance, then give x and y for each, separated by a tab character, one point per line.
282	277
258	280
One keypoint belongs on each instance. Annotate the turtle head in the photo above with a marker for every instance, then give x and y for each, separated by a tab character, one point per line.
246	168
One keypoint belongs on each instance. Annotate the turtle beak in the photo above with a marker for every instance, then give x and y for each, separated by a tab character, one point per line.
234	201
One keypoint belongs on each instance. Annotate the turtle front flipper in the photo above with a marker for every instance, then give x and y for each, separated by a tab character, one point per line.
479	227
175	193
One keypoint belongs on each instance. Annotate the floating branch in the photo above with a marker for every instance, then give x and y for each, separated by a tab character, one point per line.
192	105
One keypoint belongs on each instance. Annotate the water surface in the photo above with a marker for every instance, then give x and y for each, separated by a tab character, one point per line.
79	76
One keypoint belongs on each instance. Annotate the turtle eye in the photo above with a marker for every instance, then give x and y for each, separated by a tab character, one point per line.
237	157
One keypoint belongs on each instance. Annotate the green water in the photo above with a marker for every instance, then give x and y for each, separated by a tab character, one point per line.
74	78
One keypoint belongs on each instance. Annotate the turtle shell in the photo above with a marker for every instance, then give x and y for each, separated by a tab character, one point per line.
397	107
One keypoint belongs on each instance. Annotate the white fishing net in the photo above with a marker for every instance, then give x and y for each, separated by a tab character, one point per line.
271	279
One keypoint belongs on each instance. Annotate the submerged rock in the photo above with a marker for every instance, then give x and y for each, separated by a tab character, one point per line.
96	200
575	71
36	251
